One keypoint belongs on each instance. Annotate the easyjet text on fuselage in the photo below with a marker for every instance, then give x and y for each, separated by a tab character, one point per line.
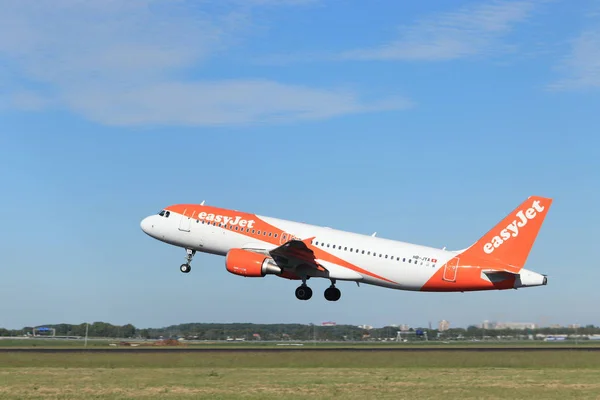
224	219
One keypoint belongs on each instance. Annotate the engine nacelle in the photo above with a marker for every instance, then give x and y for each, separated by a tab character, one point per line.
247	263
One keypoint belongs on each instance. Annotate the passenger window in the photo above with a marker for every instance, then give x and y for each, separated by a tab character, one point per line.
363	252
409	261
404	260
327	244
368	253
275	235
386	256
346	248
252	230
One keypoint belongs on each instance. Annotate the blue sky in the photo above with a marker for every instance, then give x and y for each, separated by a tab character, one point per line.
425	122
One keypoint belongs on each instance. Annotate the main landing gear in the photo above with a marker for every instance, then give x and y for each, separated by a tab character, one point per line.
332	293
303	292
186	268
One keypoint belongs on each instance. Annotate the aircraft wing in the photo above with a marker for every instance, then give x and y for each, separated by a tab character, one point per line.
294	254
296	257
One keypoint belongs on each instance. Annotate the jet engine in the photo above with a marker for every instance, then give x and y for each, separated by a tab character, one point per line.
249	264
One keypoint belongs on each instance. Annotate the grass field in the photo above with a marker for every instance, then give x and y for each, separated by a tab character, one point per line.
299	375
96	343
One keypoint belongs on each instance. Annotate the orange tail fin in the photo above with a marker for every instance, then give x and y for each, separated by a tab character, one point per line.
511	240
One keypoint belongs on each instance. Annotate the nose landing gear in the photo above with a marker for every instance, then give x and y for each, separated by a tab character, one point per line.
186	268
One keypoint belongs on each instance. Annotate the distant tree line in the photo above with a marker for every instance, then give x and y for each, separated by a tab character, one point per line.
247	331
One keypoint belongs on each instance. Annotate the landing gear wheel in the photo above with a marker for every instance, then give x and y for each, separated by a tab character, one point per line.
332	293
185	268
303	292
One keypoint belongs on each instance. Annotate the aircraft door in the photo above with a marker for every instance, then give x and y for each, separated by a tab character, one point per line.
186	222
450	270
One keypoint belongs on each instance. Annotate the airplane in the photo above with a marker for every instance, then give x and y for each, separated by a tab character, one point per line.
257	246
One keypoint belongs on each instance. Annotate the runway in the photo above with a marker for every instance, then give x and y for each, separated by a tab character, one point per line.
139	350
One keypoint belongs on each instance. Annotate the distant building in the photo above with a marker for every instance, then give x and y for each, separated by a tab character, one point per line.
515	325
443	325
404	327
488	325
574	326
367	327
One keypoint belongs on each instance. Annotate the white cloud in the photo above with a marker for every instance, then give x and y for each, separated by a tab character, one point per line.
582	65
472	30
128	62
219	103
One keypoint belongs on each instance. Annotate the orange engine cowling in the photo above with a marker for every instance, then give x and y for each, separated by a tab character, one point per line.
250	264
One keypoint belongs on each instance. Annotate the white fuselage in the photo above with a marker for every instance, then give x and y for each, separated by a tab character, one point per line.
380	261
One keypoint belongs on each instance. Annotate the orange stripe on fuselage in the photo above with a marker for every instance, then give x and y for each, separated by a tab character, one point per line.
323	255
258	225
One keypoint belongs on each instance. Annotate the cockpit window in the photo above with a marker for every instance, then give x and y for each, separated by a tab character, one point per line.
167	214
162	213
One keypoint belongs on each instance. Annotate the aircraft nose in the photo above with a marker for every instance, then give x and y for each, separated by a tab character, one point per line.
147	225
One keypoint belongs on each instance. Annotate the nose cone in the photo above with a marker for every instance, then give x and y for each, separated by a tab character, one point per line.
147	225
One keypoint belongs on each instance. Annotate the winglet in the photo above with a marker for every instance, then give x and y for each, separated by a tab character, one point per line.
374	233
202	203
511	240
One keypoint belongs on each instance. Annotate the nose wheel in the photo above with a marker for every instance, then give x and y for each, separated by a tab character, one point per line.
186	268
